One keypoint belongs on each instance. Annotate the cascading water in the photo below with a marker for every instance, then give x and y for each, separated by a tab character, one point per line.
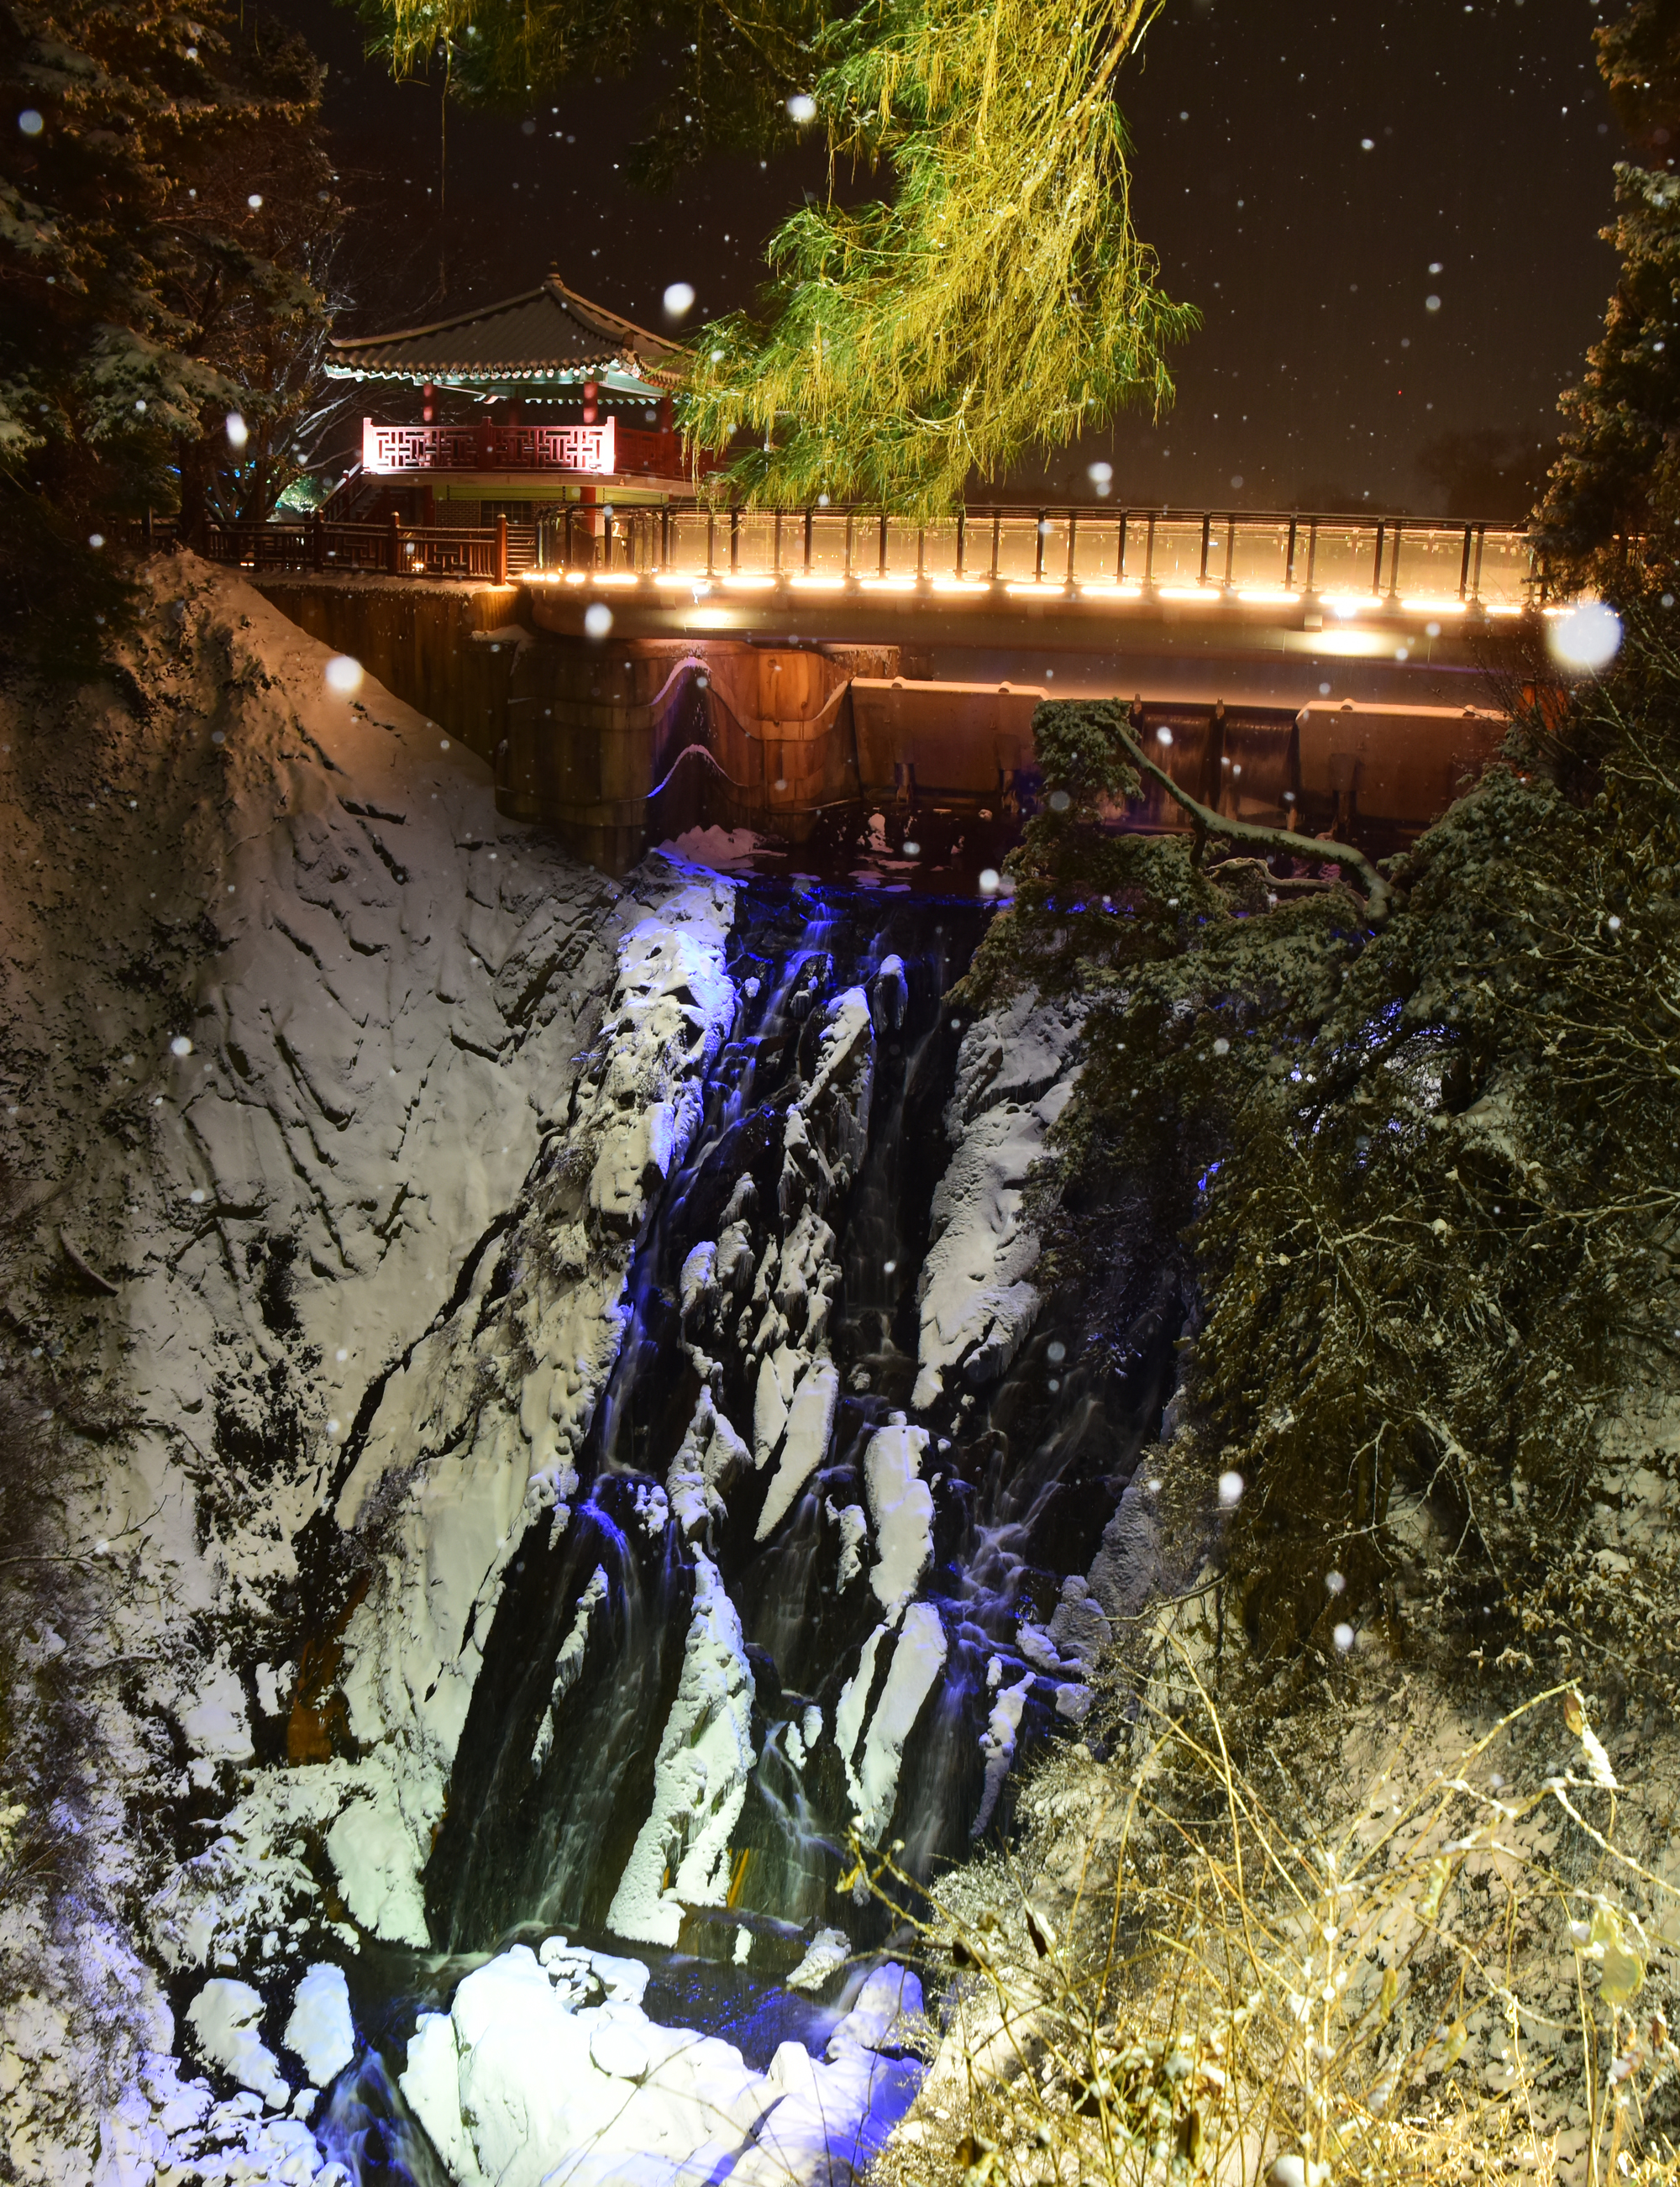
367	2128
810	1567
757	1473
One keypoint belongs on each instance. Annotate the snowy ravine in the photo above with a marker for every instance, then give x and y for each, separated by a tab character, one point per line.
590	1440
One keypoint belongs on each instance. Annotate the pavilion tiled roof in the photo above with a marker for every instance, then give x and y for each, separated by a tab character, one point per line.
548	335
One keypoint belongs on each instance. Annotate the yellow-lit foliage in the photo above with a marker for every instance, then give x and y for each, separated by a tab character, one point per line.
1000	302
997	301
501	49
1182	1975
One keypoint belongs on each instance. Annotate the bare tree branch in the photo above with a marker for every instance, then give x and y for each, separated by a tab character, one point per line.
1380	898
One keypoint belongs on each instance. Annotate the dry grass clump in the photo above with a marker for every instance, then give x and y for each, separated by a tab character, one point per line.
1222	1990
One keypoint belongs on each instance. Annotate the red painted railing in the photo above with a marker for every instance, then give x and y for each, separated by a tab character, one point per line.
588	450
389	548
386	449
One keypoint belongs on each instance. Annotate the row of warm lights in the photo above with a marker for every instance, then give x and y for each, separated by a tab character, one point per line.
1584	637
1587	637
1344	605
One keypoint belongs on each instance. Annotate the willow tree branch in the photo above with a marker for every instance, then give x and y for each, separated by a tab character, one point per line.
1379	894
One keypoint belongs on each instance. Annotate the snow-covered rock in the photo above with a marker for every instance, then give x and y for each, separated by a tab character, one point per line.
826	1953
997	1744
320	2030
519	2083
825	1136
225	2018
568	1664
901	1504
215	1722
701	1772
872	1741
1015	1074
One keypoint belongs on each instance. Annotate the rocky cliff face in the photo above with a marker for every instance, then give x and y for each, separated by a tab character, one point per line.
284	1007
560	1425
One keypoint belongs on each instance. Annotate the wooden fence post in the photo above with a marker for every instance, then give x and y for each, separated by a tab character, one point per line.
317	540
394	547
501	550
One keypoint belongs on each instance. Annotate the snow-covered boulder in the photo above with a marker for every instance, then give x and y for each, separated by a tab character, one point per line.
519	2083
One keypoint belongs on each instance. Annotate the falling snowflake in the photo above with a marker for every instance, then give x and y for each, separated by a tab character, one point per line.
1588	637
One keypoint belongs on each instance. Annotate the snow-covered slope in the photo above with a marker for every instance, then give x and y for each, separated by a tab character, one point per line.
283	1006
284	1003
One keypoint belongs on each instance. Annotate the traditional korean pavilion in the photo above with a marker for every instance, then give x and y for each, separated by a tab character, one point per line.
575	403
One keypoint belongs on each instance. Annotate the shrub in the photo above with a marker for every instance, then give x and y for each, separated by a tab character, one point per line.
1419	1180
1180	1978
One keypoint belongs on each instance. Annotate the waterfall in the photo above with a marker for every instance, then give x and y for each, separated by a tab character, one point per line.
744	1575
814	1569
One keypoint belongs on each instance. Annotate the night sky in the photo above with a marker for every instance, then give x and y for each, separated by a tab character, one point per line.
1301	171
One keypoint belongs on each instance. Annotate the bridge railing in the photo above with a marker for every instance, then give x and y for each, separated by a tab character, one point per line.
1120	553
491	552
1121	549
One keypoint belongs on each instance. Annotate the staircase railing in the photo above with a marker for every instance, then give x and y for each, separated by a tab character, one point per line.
336	508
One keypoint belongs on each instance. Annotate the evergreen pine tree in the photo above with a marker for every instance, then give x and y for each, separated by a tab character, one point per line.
166	207
1610	515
